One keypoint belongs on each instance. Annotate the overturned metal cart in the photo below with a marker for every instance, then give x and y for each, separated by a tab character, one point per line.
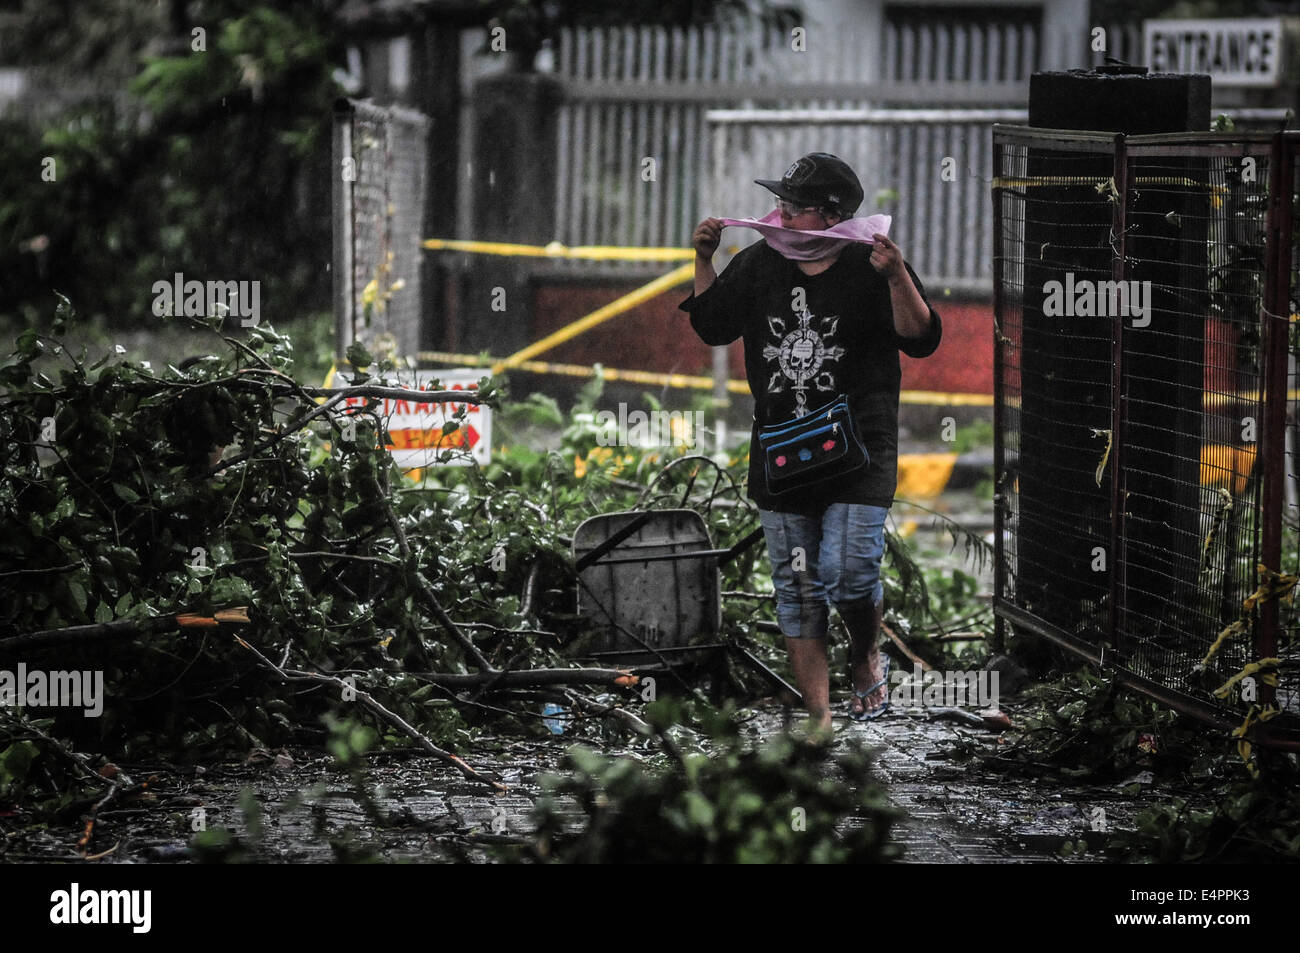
649	586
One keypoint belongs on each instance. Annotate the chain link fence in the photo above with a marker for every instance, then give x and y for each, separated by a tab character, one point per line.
380	198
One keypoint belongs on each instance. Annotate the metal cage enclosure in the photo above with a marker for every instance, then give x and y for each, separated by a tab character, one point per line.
1145	481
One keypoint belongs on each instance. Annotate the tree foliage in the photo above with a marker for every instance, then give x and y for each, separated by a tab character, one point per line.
202	153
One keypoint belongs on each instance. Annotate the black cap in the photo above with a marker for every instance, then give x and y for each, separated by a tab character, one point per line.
819	179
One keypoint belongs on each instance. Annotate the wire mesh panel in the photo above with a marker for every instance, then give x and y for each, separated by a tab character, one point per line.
1054	377
379	215
1138	420
1196	229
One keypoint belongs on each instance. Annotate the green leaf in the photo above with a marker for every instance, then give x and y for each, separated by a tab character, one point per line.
63	313
698	809
233	589
78	593
216	838
358	356
15	761
29	344
126	493
103	612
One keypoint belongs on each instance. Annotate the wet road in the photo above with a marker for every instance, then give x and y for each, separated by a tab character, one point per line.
956	810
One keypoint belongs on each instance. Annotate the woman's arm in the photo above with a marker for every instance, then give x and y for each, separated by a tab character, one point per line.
719	306
706	238
911	313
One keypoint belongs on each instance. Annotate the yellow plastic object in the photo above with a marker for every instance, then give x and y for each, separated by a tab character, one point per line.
1221	464
924	474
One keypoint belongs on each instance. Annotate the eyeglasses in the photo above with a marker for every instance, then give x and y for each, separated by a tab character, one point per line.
789	208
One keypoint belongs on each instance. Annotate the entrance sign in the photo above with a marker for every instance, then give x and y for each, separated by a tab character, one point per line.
1246	52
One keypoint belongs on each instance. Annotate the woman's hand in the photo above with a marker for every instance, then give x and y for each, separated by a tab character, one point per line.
886	257
706	238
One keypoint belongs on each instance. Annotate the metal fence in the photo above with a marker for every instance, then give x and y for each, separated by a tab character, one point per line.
379	204
1142	288
637	93
926	167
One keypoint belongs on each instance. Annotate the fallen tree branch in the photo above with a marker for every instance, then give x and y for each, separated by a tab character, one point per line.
287	431
368	700
120	627
24	572
611	711
423	590
902	646
79	761
532	677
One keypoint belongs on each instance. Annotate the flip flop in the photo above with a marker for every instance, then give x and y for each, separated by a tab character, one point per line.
874	713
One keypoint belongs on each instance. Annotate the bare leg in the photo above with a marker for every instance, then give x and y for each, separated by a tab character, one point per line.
811	675
864	628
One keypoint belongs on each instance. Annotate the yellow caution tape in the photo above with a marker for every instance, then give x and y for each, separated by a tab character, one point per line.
682	381
944	399
1272	585
1101	185
1105	454
654	378
1218	401
1225	510
619	306
1267	665
556	250
1244	747
1230	631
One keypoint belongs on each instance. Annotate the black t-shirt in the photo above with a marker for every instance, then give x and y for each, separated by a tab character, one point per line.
809	338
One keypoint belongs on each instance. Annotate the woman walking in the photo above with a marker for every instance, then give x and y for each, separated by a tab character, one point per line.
824	308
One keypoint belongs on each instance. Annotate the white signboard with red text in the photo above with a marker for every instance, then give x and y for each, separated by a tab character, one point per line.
417	429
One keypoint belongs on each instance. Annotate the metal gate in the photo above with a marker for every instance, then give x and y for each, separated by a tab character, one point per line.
1143	293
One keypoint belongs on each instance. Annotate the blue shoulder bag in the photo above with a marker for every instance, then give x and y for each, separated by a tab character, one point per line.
817	446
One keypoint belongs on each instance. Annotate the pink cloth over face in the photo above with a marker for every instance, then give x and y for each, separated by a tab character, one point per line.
800	245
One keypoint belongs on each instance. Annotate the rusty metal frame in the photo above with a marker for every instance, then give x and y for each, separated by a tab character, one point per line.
999	456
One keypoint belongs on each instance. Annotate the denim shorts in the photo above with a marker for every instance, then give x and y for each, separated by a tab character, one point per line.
820	559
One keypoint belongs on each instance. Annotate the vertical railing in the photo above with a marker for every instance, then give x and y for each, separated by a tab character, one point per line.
343	176
1002	490
1276	343
1119	272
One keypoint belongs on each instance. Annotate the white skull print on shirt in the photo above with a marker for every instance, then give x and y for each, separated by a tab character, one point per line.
808	339
803	347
